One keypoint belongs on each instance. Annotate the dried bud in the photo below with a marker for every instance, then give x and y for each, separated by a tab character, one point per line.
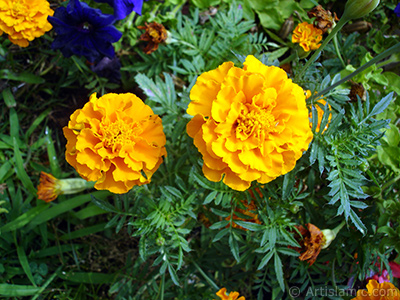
355	9
155	34
323	18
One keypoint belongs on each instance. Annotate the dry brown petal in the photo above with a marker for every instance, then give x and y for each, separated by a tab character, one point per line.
155	34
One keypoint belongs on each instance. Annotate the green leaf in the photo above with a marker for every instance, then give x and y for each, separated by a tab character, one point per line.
9	98
381	105
250	226
24	76
221	234
233	244
219	224
23	219
210	197
265	260
15	290
104	205
21	173
279	271
357	221
174	277
90	278
24	263
83	232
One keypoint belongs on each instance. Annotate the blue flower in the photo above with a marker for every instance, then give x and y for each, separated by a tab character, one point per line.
82	30
397	10
123	8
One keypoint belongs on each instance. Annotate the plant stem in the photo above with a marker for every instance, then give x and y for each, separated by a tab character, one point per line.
389	183
205	276
334	31
336	45
386	53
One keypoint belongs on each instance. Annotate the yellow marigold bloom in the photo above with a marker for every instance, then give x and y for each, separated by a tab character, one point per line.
320	112
378	291
115	140
50	187
24	20
232	295
308	36
249	124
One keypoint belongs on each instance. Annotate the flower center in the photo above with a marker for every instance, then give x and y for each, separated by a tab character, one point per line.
85	27
119	133
256	122
17	7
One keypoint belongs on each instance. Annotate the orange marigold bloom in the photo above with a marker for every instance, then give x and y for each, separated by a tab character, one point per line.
24	20
155	34
249	124
311	241
308	36
115	140
231	296
320	112
50	187
378	291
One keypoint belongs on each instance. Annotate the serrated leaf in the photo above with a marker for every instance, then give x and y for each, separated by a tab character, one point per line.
233	244
265	260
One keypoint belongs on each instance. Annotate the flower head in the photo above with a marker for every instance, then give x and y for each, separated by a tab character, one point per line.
122	8
311	241
308	36
115	140
231	296
155	34
323	18
249	124
397	10
378	291
24	20
50	187
82	30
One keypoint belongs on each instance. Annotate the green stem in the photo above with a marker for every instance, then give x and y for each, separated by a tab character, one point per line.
313	58
162	287
337	229
386	53
206	277
288	59
336	45
389	183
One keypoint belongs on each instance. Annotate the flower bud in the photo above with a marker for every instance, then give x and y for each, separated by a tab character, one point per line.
355	9
329	235
50	187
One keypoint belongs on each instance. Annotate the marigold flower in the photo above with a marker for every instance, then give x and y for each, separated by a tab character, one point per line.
311	241
155	34
249	124
231	296
323	18
308	36
24	20
82	30
378	291
50	187
122	8
115	140
320	112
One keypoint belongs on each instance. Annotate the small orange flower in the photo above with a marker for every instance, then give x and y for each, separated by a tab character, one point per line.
50	187
115	140
378	291
231	296
308	36
155	34
323	18
24	20
311	241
